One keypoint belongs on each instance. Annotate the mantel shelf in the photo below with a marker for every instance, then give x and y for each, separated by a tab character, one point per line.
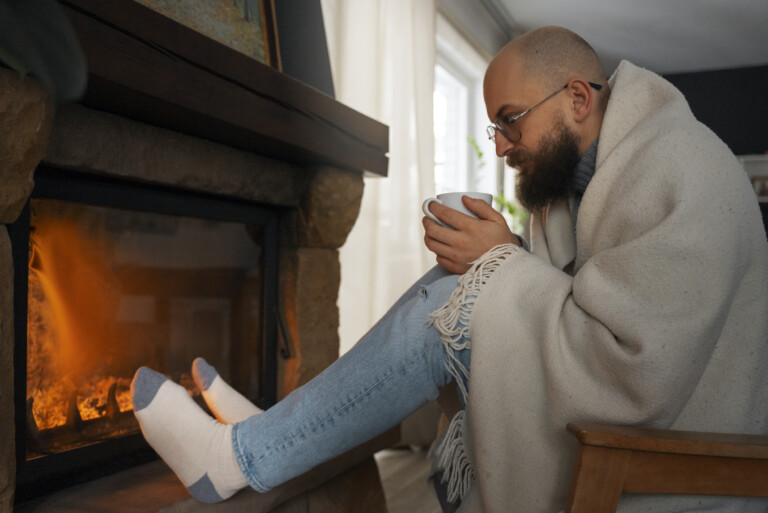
150	68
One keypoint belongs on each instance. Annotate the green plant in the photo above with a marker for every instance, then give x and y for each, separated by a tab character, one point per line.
478	152
516	215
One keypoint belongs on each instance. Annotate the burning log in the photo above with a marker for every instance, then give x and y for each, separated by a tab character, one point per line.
33	433
74	419
76	431
112	407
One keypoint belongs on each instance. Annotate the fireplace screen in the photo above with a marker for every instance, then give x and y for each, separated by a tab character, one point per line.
110	289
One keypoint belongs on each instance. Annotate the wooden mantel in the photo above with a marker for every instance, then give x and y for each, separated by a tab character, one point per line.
150	68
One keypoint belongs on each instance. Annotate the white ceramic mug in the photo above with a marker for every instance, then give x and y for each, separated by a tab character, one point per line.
453	200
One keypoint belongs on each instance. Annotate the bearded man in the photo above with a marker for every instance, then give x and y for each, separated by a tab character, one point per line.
641	301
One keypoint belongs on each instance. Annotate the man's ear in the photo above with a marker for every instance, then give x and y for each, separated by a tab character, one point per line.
582	100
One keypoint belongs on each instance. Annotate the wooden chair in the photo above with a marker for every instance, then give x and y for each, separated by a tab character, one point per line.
612	460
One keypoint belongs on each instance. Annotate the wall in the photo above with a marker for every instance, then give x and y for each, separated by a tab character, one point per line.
484	31
732	102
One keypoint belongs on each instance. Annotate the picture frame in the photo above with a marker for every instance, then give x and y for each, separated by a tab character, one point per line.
756	167
760	184
270	35
247	26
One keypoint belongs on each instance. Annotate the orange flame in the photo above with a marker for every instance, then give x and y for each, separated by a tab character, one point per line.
89	326
73	298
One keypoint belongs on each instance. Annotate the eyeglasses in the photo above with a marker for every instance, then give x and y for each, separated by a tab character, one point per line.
507	125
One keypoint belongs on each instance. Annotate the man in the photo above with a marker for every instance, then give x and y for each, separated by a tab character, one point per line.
642	301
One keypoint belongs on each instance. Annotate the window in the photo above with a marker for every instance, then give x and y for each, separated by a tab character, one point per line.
452	160
465	159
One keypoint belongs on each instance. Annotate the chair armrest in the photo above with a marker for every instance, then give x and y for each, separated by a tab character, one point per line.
612	460
669	441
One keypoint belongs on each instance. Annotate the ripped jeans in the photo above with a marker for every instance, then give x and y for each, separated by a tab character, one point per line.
396	368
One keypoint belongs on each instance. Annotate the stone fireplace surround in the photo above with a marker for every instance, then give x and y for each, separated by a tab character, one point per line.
319	205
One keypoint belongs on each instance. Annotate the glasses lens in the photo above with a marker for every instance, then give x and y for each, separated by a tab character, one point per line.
509	129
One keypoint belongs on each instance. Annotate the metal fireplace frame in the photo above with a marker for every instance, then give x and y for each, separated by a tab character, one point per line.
59	470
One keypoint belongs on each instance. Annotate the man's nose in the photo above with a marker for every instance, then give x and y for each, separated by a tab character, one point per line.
502	144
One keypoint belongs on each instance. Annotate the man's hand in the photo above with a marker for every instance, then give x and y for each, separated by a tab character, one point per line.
456	249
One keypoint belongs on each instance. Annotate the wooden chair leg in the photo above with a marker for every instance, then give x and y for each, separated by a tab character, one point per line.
598	479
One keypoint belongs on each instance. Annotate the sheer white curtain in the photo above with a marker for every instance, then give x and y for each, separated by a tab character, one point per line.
382	59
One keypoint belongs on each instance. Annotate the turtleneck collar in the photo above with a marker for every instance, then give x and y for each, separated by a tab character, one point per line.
585	170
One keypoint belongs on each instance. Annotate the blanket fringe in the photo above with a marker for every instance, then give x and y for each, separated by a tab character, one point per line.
452	319
452	322
453	459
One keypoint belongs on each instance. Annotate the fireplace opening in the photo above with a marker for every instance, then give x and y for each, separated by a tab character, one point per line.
113	275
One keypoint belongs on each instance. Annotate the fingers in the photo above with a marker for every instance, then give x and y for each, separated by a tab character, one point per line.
451	254
446	237
439	247
481	209
459	220
450	216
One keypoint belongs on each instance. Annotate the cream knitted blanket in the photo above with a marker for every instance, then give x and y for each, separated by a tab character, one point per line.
662	324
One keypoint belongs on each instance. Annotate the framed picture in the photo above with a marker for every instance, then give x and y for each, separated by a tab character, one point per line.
756	167
247	26
760	183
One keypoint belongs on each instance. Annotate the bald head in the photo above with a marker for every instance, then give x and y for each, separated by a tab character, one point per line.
549	57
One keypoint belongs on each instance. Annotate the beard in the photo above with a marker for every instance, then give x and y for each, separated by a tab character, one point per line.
546	175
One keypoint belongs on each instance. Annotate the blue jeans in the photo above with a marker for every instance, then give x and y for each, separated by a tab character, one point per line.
396	368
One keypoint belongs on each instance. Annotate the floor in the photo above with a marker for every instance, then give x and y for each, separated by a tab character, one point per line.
404	477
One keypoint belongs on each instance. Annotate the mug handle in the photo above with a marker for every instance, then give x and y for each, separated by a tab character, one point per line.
425	209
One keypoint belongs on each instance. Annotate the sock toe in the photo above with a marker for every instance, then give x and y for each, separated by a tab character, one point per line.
205	491
203	373
144	387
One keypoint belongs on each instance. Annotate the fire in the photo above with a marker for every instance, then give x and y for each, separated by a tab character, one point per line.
85	338
111	290
73	351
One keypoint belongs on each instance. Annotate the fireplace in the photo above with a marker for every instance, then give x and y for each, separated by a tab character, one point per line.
175	134
111	276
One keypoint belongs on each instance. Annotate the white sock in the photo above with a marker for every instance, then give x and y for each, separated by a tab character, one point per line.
196	447
226	403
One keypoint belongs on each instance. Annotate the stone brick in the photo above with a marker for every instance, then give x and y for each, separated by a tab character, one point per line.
328	209
309	285
26	113
103	143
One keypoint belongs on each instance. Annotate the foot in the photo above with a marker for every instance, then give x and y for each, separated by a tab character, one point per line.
196	447
226	403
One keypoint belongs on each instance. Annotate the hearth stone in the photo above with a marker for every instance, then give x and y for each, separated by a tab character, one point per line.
153	488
